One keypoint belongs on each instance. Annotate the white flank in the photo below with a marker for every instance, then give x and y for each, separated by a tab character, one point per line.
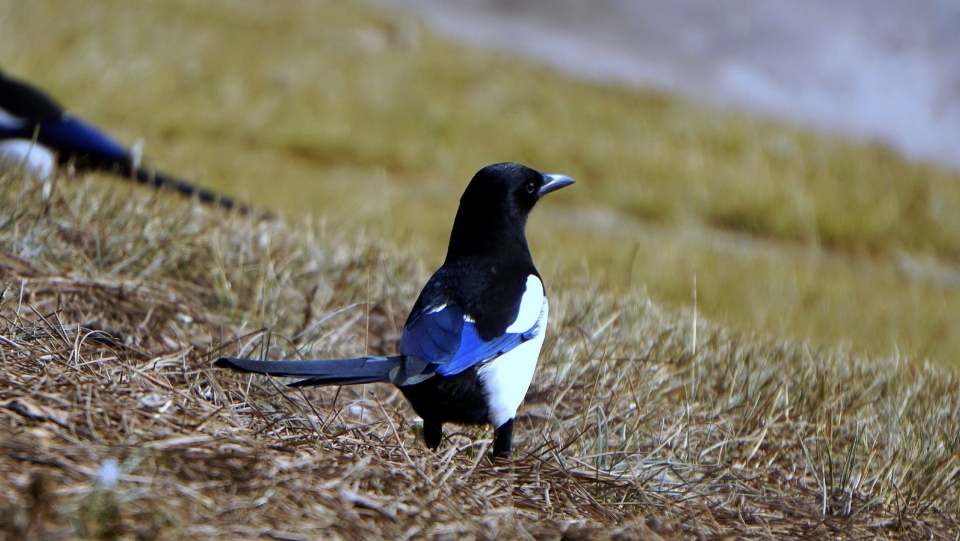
36	159
506	378
530	305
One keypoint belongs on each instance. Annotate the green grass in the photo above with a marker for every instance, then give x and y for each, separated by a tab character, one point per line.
362	117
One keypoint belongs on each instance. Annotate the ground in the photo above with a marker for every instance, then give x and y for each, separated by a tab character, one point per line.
641	422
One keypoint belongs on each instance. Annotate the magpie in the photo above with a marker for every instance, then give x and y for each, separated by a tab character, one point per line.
470	345
35	131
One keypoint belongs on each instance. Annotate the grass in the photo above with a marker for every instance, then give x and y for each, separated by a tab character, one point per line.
115	300
359	116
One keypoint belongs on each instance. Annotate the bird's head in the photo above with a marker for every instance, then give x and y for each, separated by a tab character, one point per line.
494	207
510	187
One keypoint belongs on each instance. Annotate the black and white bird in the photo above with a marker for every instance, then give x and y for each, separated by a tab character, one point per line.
470	345
38	134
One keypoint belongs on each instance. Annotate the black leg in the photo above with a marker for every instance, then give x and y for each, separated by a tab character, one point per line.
432	434
503	440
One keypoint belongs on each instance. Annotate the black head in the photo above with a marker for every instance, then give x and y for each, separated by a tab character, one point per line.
494	208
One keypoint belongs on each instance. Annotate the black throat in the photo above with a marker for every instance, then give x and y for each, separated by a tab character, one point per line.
489	228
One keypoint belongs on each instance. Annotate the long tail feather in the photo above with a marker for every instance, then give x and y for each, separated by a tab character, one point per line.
162	180
333	372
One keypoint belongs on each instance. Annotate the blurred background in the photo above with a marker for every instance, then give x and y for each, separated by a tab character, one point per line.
886	70
794	163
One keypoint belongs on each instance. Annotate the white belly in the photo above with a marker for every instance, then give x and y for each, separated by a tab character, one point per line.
506	379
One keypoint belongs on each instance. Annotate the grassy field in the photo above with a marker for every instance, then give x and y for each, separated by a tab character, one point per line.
642	423
365	120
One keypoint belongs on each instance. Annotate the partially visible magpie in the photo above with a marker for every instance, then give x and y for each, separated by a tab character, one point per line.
470	345
37	132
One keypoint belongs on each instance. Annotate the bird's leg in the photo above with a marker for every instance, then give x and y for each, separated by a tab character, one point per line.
432	433
503	440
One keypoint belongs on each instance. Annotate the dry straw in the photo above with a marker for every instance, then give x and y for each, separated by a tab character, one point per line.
115	300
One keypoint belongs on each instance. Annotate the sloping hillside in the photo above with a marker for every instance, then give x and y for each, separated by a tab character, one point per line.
342	109
115	300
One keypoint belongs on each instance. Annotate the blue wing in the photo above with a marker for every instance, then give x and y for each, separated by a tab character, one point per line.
23	106
69	136
445	339
473	350
433	336
73	136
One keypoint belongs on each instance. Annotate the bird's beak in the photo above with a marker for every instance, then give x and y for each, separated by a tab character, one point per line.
554	182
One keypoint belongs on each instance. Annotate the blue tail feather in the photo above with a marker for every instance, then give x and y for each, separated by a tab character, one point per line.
332	372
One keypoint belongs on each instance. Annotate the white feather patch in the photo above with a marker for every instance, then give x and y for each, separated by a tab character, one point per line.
36	159
530	305
506	378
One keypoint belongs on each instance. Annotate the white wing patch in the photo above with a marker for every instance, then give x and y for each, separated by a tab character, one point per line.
530	305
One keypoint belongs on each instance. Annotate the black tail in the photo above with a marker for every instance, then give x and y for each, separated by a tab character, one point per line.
334	372
158	179
162	180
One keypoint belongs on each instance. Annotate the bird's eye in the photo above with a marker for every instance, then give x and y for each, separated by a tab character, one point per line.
531	187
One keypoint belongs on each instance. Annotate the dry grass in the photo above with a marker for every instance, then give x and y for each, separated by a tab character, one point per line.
115	300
